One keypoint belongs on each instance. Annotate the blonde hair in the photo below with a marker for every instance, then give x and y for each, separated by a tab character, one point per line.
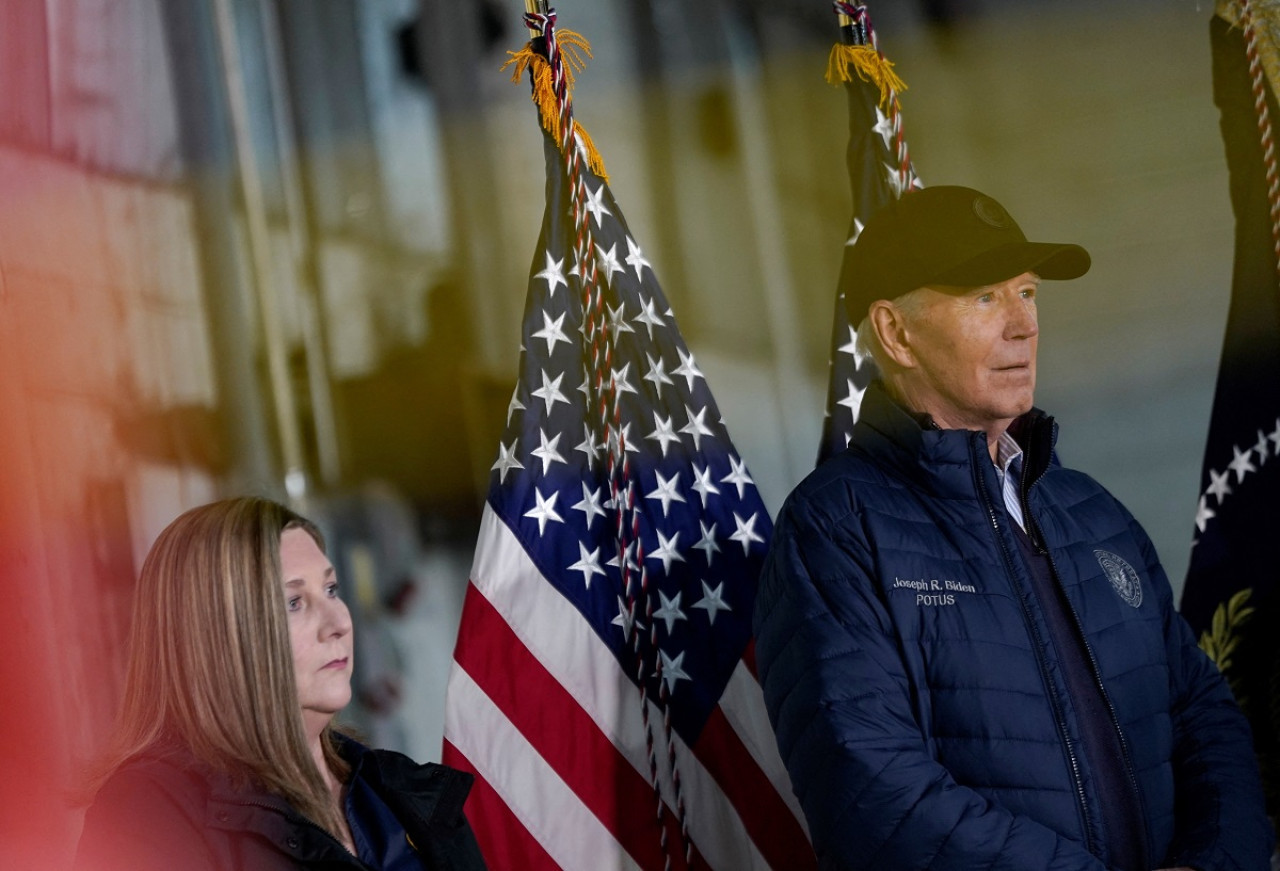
210	661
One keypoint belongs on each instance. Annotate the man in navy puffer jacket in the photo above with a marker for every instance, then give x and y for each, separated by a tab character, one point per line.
970	654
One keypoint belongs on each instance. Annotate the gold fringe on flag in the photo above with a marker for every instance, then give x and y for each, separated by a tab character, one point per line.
572	48
870	66
1267	17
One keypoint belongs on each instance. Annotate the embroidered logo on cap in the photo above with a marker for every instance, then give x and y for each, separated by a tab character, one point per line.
1124	580
991	213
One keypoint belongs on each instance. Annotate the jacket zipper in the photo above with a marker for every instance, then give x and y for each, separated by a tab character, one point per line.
1054	702
1037	539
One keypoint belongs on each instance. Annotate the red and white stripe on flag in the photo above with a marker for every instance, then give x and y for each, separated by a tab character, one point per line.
542	714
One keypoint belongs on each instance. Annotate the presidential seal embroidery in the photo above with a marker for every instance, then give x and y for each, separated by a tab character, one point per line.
991	213
1124	580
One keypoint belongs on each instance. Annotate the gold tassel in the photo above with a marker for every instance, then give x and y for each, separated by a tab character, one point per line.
572	47
870	66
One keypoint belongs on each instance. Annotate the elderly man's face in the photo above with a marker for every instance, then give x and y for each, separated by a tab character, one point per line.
976	354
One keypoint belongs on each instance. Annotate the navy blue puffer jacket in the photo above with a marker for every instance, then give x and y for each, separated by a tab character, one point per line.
917	702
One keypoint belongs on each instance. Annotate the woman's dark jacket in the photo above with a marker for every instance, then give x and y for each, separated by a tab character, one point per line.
165	811
919	701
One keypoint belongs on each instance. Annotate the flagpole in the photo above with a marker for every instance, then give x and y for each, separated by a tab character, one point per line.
258	234
323	425
852	31
535	7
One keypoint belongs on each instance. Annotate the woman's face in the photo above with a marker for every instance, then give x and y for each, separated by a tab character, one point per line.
319	629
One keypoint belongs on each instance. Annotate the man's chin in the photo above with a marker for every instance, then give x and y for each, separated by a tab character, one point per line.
1021	401
1011	411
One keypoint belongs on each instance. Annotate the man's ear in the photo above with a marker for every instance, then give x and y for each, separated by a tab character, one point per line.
890	325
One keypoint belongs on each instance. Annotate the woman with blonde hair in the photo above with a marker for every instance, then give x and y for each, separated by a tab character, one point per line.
225	757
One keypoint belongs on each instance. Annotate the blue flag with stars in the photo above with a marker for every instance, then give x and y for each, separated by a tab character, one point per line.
1230	598
703	528
1235	525
875	159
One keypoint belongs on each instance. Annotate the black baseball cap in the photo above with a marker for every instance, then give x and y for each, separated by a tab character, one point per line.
947	235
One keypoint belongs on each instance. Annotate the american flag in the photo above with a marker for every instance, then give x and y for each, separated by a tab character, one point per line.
880	169
604	655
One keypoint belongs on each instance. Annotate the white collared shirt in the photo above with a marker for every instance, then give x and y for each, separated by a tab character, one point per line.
1009	471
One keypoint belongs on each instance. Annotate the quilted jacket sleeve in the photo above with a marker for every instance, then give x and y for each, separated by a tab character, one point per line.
1221	822
841	710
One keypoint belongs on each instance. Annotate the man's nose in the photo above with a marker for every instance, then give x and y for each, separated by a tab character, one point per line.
1021	322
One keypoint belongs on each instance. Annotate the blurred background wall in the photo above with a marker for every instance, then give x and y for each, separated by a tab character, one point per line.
282	246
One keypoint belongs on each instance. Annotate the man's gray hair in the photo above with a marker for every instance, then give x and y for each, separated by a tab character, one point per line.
867	348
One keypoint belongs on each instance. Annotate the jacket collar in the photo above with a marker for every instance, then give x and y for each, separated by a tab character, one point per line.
918	448
430	795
